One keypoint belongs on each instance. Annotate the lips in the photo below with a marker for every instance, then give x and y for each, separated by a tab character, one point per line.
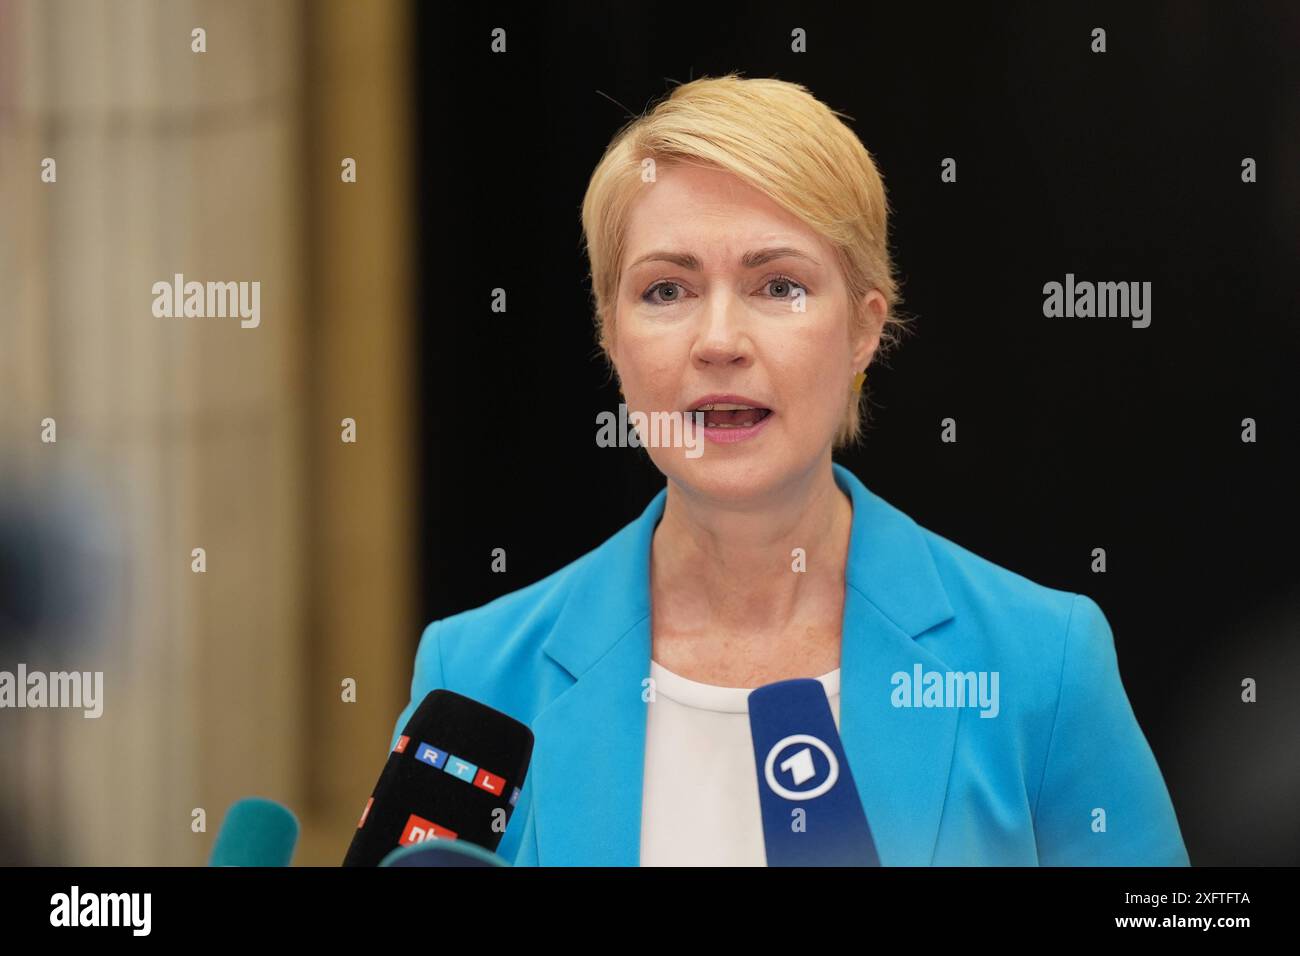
727	416
726	412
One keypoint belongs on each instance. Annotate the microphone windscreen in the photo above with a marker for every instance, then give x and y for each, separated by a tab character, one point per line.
455	773
442	853
811	812
256	832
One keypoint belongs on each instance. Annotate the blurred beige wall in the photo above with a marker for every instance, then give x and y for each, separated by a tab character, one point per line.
195	432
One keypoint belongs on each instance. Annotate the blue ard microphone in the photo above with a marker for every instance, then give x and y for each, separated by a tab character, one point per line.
811	812
255	832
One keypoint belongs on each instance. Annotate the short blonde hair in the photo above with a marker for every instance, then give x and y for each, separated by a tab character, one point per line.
777	137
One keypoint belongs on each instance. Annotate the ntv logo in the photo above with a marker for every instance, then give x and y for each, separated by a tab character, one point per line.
1128	300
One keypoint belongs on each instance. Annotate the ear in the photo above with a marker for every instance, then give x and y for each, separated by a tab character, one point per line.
865	341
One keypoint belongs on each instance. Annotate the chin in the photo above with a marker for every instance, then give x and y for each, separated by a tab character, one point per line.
726	477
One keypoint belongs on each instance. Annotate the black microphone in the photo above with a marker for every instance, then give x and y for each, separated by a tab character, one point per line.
455	773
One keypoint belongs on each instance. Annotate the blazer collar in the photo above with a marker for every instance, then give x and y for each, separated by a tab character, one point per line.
588	759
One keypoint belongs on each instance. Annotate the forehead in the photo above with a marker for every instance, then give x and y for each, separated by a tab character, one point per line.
711	211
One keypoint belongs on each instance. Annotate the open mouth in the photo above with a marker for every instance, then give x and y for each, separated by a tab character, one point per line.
727	415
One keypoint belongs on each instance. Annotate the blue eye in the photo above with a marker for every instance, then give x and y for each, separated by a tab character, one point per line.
671	292
787	283
649	293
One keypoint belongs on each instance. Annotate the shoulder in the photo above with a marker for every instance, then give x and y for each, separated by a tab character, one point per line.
954	600
1042	638
981	588
495	653
1072	731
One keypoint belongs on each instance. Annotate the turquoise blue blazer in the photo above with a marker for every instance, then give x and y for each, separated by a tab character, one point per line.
1061	776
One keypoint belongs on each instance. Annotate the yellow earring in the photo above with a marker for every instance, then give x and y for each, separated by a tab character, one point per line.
858	380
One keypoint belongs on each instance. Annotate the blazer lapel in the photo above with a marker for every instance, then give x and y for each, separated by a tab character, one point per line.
588	761
900	756
589	753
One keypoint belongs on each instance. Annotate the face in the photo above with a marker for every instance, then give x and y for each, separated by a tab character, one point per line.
728	302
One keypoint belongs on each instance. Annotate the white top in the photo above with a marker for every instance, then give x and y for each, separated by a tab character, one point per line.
700	799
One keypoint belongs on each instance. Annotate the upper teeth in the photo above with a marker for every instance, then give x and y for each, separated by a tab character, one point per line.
723	407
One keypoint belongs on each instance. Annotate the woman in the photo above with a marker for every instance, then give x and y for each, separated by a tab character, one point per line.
737	237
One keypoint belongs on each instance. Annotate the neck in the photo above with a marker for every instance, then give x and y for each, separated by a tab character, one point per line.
721	571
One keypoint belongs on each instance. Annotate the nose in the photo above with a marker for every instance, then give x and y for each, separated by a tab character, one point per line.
722	341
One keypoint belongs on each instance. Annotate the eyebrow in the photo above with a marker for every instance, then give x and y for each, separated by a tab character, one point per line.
750	260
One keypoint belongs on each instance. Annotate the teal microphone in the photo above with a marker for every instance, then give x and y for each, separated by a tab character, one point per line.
442	853
256	832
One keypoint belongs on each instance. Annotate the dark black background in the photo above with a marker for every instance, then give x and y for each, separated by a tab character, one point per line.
1074	433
